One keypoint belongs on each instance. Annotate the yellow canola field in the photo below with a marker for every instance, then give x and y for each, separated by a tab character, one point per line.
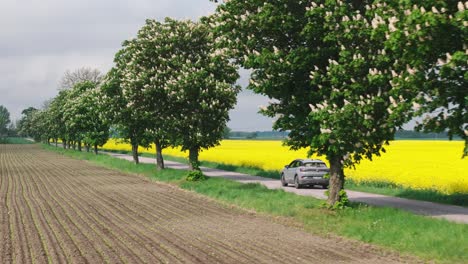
433	165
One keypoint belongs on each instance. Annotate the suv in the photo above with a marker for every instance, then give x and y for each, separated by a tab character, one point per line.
301	172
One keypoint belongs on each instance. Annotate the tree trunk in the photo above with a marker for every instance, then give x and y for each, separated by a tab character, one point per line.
193	158
79	145
159	156
87	147
48	141
56	143
64	142
135	153
336	180
95	149
74	145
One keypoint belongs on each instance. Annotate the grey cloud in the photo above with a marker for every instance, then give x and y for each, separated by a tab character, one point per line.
41	39
245	116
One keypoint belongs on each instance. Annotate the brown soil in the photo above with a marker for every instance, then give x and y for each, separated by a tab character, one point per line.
60	210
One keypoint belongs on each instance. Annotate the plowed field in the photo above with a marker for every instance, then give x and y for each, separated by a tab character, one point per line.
60	210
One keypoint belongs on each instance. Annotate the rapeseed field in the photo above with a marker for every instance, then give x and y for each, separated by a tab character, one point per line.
433	165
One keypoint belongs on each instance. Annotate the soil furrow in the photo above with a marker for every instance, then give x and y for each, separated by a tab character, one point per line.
128	211
48	243
159	216
98	208
59	235
260	247
209	241
94	210
175	208
6	234
78	233
21	246
181	205
98	239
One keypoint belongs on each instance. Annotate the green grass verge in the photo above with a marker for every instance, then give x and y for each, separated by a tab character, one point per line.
391	189
241	169
15	140
427	238
384	188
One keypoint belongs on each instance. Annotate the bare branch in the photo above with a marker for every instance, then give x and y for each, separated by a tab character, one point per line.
70	78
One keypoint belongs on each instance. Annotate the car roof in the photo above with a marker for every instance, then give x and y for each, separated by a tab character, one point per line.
310	160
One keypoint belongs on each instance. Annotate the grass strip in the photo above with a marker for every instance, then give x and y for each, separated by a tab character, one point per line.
384	188
428	238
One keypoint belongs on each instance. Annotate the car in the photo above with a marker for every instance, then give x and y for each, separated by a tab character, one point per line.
302	172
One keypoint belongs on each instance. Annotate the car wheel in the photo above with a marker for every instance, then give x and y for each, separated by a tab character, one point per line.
283	181
296	183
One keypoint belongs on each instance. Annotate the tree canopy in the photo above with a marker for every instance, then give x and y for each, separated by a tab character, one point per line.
4	120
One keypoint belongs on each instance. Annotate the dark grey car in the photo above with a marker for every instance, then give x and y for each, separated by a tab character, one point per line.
301	172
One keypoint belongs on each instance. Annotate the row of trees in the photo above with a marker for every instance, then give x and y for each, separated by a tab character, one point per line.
342	76
170	86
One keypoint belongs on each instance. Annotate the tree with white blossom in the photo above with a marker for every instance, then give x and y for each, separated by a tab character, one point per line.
55	118
173	86
125	106
199	83
434	35
333	69
85	115
148	71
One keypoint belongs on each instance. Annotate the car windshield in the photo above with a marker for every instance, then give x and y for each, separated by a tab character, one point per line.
315	164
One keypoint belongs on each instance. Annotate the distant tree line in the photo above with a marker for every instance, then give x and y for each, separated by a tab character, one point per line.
411	134
399	134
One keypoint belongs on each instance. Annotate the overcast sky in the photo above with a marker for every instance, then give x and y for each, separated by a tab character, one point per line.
41	39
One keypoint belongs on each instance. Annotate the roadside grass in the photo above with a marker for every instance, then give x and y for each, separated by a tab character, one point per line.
251	170
428	238
384	188
392	189
15	140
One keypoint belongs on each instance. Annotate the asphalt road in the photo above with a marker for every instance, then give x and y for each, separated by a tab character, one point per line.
450	212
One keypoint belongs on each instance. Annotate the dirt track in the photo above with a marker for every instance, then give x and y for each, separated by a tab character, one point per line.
58	210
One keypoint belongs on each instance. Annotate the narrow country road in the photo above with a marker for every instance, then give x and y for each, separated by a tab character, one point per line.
450	212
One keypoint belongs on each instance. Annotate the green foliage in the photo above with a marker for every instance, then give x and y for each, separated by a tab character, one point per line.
342	203
196	175
226	132
37	124
4	120
25	125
